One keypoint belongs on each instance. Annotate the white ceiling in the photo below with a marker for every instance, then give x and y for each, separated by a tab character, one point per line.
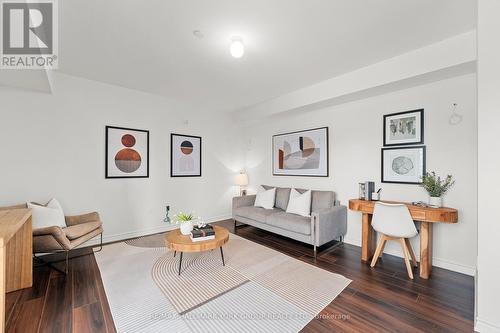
148	45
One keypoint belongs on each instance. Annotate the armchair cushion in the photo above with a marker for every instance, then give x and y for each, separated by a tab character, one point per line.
78	230
84	218
50	239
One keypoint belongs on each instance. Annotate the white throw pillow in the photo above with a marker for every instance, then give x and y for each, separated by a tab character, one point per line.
265	199
299	204
47	216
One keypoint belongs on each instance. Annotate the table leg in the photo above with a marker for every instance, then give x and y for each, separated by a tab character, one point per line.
425	249
175	252
2	288
180	264
222	255
368	238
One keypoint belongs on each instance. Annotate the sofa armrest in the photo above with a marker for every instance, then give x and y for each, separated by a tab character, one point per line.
329	224
84	218
243	201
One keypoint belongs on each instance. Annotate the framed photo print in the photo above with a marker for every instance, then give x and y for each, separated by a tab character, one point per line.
302	153
404	165
127	153
404	128
185	155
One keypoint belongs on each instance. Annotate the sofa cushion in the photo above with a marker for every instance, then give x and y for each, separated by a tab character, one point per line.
322	200
282	196
290	222
254	213
79	230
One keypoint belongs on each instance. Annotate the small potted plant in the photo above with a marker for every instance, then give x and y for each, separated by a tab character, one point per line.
436	187
186	222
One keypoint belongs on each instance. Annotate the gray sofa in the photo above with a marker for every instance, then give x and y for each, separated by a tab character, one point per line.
328	219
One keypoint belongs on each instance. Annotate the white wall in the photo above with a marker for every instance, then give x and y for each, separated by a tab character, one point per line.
487	285
53	146
355	143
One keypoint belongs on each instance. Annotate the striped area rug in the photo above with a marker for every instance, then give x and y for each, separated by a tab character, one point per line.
259	289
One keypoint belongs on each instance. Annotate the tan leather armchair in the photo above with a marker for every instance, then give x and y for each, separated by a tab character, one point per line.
78	230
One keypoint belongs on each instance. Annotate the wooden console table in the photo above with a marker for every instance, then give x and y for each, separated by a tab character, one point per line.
16	251
425	215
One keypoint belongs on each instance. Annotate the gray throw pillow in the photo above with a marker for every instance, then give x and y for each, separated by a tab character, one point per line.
282	196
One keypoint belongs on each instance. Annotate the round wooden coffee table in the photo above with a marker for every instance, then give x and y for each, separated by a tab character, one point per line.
179	242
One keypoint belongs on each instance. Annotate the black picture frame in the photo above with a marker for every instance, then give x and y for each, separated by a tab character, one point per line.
326	128
172	135
106	170
422	125
382	176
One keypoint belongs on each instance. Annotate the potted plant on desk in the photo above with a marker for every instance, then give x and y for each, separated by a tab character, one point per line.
436	187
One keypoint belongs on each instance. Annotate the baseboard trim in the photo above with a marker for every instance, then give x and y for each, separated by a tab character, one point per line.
437	262
142	232
485	326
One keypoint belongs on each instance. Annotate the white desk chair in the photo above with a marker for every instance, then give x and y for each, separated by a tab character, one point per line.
394	222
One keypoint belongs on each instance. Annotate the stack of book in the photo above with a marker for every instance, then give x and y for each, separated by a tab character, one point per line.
202	234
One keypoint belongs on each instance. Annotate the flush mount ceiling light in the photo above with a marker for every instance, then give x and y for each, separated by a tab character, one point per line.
237	48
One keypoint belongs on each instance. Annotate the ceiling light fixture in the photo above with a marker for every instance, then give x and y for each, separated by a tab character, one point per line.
237	48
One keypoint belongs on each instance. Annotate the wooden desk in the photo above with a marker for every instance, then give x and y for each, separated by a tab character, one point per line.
425	215
16	250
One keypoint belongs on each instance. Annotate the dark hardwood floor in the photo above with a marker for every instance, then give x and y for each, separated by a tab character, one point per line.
381	299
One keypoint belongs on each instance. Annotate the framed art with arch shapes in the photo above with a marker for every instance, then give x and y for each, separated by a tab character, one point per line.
302	153
127	153
185	155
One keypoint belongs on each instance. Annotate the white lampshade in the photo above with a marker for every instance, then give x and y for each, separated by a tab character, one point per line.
241	179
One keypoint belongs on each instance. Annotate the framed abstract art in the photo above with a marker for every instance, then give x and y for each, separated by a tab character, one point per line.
405	165
185	155
404	128
301	153
127	153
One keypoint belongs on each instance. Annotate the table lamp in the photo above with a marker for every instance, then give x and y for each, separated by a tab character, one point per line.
242	181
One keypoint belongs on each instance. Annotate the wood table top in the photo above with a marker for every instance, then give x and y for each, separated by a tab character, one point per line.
418	213
10	222
183	243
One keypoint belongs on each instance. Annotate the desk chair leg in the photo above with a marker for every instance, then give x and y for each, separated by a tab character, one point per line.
406	257
412	254
379	250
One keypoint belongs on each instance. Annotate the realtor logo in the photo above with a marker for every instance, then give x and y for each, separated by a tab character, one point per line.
29	34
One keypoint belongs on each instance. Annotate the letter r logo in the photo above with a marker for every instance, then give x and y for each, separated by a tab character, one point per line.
27	27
